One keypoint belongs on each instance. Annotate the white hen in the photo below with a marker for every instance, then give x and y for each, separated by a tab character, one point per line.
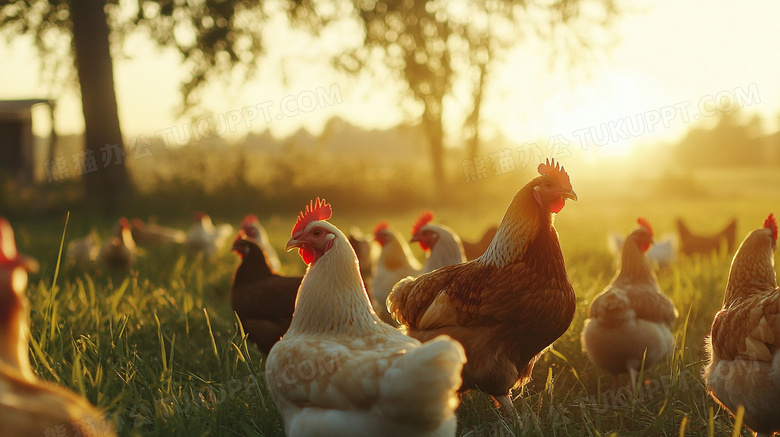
443	245
203	237
395	263
83	252
339	370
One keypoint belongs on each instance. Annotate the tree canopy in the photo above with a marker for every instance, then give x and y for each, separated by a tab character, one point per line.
427	46
430	45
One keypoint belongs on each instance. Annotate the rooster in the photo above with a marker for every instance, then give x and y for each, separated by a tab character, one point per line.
743	368
203	237
119	251
442	243
395	263
83	252
692	244
507	306
256	232
29	406
148	234
339	370
476	249
262	299
631	320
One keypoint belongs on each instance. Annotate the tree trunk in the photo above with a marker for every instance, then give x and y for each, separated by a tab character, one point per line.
472	121
435	133
107	184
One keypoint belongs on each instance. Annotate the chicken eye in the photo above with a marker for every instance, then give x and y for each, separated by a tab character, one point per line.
548	185
317	232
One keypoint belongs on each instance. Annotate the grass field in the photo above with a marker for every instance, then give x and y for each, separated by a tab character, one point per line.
160	350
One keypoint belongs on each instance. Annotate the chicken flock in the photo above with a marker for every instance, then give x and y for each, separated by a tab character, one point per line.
408	338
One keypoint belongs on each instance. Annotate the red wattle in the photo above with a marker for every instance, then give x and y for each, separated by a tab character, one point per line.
307	255
557	205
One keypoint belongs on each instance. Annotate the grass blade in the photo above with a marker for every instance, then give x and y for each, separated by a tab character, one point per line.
711	423
738	421
42	358
59	255
52	291
163	355
211	334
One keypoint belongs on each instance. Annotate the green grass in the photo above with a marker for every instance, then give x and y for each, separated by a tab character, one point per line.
161	351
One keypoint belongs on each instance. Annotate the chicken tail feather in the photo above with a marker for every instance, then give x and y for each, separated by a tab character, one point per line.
420	388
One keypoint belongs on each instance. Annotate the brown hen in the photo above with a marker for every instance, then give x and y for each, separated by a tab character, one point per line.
744	345
631	320
508	305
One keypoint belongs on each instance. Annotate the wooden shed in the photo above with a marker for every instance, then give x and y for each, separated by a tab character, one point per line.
16	139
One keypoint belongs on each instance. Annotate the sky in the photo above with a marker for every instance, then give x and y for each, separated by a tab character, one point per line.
675	64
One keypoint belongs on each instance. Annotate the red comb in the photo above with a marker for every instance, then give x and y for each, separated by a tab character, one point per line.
124	223
249	219
381	226
7	243
771	224
423	220
314	211
554	169
643	222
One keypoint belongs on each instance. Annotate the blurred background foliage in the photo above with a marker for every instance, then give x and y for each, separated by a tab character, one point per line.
381	170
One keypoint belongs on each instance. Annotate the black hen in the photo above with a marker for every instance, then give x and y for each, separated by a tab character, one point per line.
263	300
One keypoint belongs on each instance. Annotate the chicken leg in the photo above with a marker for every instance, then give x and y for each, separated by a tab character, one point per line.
632	373
507	407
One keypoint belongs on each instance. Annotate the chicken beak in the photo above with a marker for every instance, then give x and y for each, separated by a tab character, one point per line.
569	194
293	243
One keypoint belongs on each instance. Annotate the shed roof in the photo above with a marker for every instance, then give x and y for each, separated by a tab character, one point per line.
21	105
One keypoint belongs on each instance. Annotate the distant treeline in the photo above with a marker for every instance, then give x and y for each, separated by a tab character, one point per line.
361	166
732	142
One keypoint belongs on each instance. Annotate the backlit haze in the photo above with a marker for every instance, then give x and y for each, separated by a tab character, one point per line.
673	64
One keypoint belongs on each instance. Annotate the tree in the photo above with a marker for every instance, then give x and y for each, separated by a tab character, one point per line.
735	140
107	186
429	45
213	36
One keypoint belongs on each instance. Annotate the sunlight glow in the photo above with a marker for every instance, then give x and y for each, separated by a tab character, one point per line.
663	59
